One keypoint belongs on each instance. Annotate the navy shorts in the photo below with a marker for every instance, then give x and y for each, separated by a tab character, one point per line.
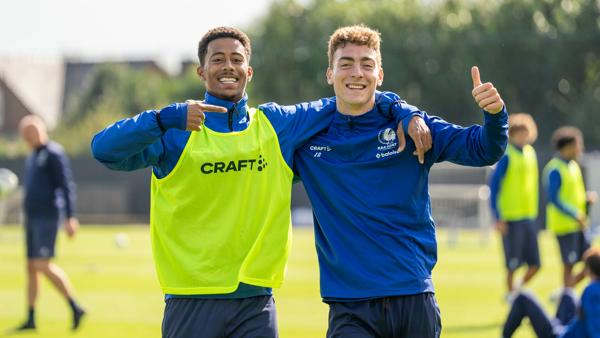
572	246
252	317
414	316
521	245
40	236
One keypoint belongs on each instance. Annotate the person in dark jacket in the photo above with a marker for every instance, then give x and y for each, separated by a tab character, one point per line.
374	232
49	201
571	320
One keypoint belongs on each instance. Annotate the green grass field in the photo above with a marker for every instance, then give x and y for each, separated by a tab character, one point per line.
120	292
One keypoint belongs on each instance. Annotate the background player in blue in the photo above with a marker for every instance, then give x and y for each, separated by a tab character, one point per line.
566	210
376	247
157	139
572	320
49	200
514	199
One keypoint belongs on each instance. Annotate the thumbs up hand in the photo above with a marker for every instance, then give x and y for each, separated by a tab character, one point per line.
486	95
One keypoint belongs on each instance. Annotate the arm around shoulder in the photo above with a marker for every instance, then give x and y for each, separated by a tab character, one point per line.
295	124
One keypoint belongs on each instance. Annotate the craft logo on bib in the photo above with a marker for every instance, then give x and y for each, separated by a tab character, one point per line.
258	164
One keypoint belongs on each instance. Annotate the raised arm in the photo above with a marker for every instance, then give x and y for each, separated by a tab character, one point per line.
133	143
138	142
475	145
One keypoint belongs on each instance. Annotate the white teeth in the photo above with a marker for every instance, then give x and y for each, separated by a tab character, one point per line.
227	80
353	86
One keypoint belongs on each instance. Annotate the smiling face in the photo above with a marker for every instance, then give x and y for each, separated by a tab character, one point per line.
355	74
226	70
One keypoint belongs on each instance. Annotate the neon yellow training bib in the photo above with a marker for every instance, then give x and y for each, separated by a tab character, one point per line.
519	190
222	216
572	192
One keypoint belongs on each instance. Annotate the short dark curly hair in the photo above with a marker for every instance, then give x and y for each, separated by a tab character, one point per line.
592	260
565	136
223	32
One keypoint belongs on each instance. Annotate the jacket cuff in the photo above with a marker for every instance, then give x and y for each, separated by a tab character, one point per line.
172	116
503	114
406	120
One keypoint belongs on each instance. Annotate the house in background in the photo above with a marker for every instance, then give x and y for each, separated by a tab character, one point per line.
45	87
30	86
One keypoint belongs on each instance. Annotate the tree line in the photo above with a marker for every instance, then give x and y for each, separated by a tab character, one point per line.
544	56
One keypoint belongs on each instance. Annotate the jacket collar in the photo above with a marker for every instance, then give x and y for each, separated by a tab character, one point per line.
372	119
241	107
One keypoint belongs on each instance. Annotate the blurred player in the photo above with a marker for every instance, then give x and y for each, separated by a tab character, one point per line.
49	201
515	197
221	190
571	320
374	232
566	213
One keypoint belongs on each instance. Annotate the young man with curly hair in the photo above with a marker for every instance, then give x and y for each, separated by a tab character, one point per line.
221	190
376	247
514	200
566	210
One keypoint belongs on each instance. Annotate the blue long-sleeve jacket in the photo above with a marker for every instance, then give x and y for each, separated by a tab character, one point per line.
495	181
48	183
553	190
141	142
374	232
156	138
587	324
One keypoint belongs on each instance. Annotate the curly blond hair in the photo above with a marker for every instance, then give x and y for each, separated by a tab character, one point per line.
359	35
523	121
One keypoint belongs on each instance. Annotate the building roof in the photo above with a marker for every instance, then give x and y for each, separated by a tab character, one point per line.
38	83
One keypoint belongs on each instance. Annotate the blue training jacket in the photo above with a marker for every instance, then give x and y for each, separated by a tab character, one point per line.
156	138
587	323
48	183
374	232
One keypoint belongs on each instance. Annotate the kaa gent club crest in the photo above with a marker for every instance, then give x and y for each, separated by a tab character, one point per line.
387	136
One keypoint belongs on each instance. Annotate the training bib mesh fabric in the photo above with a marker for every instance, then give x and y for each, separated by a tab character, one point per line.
222	216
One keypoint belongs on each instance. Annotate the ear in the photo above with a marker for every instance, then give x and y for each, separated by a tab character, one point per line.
329	76
200	72
380	77
250	73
